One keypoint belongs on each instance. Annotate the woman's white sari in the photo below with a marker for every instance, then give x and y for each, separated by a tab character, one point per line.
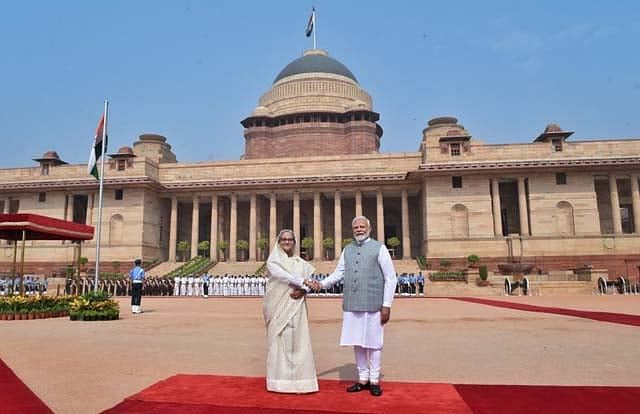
290	366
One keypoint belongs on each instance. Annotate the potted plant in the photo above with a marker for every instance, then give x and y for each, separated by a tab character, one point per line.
203	248
347	241
473	260
83	263
183	247
393	242
445	264
263	245
328	247
223	245
307	245
243	246
483	276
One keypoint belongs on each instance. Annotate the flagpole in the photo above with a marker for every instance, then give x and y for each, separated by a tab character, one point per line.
98	235
315	28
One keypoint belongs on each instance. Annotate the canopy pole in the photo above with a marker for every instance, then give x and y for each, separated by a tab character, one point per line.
24	238
79	256
13	269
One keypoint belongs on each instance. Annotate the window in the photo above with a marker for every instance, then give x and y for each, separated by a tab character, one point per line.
455	149
42	197
121	165
456	182
119	194
556	144
45	169
561	178
14	206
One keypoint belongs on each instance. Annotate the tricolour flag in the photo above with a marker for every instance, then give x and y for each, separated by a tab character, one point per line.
96	150
311	22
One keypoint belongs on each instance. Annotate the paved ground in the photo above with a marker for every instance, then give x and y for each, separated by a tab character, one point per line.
86	367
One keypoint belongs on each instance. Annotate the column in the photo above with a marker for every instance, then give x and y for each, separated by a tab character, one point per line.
380	217
90	201
5	210
337	224
522	205
71	205
272	219
635	200
425	219
317	228
296	220
495	199
615	205
173	229
358	203
233	227
195	225
213	248
406	236
253	219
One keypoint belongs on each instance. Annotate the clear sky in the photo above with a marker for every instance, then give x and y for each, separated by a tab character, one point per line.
192	70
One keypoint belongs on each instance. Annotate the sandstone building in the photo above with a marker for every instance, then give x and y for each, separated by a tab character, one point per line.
312	161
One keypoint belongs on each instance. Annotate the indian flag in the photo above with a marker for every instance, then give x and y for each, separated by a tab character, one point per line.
96	150
311	22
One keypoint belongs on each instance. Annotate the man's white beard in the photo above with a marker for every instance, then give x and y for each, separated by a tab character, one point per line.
362	237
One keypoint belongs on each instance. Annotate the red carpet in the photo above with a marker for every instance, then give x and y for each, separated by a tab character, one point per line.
622	318
533	399
200	394
16	397
225	394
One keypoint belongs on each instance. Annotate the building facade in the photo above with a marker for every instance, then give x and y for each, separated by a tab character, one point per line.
312	162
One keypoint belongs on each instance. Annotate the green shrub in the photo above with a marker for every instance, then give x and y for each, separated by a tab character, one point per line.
393	242
473	258
447	277
347	241
484	274
445	263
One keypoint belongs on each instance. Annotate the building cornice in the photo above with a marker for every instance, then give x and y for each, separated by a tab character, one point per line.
572	163
77	183
202	184
280	181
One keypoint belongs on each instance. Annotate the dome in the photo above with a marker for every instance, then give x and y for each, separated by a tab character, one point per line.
50	156
553	128
315	60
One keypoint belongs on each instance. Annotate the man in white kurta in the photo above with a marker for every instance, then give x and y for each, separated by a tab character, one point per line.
364	329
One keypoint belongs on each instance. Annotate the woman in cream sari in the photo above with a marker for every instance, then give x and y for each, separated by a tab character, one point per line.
290	366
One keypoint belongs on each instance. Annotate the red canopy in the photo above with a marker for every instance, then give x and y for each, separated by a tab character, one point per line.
39	227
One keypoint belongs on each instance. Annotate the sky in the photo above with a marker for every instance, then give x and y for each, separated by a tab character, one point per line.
192	70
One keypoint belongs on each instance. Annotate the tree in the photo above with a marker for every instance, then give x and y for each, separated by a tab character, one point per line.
393	242
307	245
328	245
263	245
204	247
243	246
183	247
223	245
346	241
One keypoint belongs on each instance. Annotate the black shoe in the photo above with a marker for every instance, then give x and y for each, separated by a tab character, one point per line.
375	390
357	387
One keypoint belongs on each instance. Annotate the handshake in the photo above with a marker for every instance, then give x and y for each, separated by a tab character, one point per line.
313	284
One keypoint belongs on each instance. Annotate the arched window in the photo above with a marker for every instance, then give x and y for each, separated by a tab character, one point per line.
459	221
116	229
563	219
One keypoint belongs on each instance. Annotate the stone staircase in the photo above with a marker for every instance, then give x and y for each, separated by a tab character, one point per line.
164	268
237	268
